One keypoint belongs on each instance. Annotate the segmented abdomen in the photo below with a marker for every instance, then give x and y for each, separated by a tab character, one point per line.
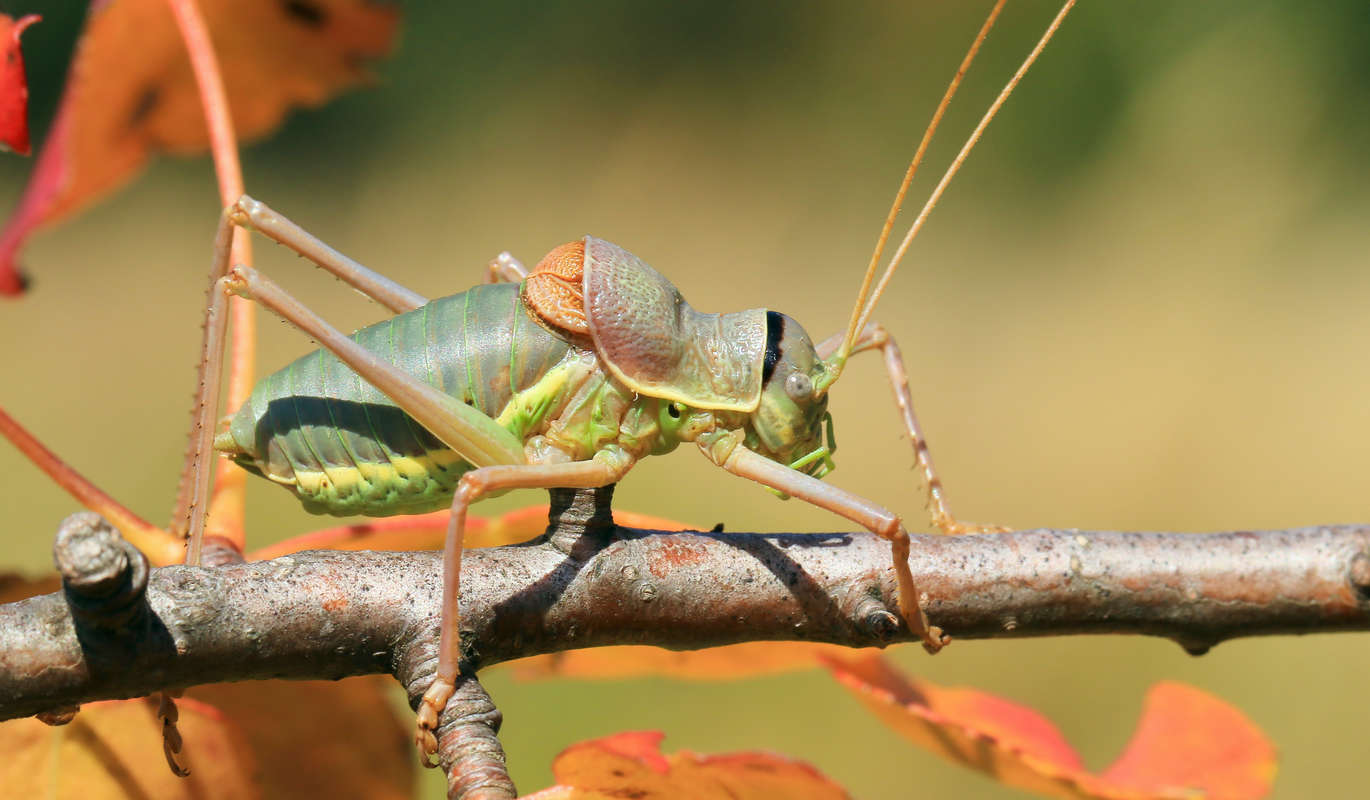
345	448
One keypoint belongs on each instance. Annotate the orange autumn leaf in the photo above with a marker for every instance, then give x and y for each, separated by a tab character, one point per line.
114	750
1190	738
335	739
130	91
1188	744
730	662
241	740
631	765
415	532
14	87
426	532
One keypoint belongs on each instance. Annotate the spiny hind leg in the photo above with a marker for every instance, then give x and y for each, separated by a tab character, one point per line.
497	455
607	467
188	514
878	520
875	337
192	494
504	268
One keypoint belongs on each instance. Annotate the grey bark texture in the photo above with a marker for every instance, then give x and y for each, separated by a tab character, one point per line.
119	629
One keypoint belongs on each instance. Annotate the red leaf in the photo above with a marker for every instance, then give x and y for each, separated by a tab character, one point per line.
14	88
631	765
643	747
1188	744
130	92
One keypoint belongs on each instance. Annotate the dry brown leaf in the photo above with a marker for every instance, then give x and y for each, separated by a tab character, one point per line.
114	750
335	739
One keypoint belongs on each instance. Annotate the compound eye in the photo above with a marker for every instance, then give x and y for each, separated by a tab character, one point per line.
799	386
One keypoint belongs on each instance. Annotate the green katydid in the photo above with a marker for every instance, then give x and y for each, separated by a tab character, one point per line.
562	376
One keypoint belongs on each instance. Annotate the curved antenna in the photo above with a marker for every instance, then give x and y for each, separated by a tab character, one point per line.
853	326
956	164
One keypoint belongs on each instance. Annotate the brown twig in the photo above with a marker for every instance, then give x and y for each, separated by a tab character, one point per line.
587	583
331	614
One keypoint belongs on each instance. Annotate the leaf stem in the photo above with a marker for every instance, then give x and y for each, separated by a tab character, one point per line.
158	545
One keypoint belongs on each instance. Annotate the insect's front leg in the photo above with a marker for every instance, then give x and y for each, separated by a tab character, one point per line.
607	466
875	337
737	459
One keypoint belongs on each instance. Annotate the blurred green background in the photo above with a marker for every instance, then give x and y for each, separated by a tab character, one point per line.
1141	306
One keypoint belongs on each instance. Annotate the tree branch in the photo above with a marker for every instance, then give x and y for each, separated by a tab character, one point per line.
586	583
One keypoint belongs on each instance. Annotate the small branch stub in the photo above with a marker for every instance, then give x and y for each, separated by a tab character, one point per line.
103	575
1360	574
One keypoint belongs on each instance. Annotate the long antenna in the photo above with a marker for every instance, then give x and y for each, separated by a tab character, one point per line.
861	296
956	164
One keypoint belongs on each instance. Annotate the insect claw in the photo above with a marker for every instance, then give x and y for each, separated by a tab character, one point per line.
933	637
934	640
427	744
430	707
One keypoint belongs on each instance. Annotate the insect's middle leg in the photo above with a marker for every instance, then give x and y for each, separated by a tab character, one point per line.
505	268
875	337
608	466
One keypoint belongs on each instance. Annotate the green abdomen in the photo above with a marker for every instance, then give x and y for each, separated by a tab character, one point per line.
344	448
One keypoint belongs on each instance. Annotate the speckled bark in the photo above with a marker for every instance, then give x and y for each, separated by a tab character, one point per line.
588	583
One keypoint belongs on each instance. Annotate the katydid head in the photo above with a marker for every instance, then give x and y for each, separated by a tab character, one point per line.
791	423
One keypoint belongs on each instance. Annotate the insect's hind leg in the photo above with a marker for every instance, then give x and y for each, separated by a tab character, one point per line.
478	439
192	494
607	467
875	337
256	215
497	455
188	515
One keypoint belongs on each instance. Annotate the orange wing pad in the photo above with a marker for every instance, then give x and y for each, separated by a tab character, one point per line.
553	289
